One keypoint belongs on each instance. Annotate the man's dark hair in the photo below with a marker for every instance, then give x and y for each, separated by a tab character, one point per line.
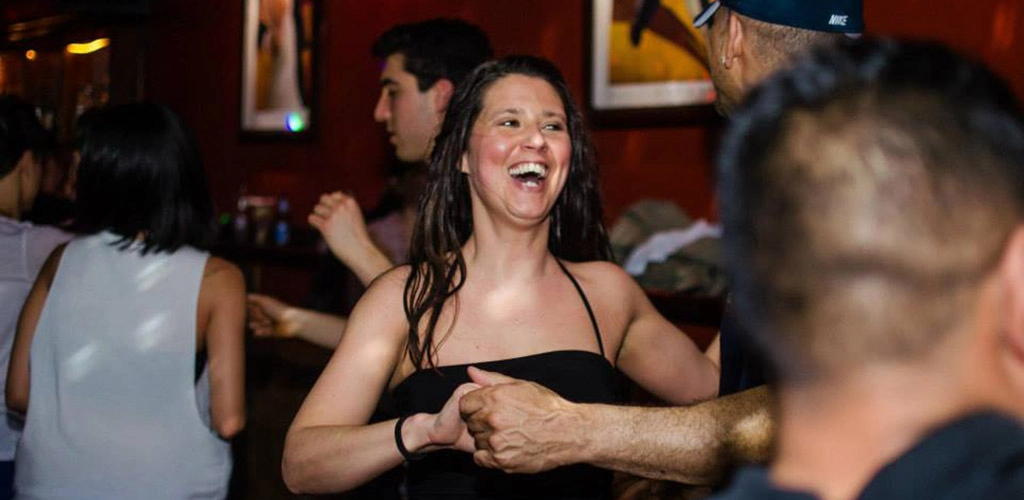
867	194
776	44
436	49
141	174
20	131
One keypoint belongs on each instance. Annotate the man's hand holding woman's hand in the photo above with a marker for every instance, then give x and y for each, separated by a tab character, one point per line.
519	426
506	423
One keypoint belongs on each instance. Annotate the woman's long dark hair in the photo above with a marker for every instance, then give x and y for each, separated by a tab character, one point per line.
445	219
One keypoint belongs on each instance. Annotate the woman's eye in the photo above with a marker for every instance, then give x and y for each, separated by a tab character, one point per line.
554	126
509	123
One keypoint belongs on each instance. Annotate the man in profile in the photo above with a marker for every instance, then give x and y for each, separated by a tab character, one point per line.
873	207
422	62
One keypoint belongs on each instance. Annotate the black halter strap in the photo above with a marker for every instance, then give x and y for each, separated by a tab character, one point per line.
586	303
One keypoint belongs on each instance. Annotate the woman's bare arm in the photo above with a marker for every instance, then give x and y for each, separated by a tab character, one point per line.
222	298
329	447
660	357
17	389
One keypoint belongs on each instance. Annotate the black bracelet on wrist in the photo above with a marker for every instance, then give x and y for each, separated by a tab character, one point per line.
408	456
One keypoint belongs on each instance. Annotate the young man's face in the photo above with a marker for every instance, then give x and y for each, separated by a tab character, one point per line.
411	117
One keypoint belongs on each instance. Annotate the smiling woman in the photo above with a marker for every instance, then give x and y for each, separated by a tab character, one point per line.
521	133
509	271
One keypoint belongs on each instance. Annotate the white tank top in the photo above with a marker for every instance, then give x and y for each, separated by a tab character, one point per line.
23	250
113	406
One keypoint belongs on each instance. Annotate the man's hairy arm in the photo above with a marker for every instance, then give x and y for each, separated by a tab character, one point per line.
523	427
688	444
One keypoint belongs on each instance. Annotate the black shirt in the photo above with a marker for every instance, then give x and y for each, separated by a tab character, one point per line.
980	456
742	367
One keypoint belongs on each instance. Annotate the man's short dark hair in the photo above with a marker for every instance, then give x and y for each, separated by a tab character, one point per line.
436	49
141	174
867	193
777	45
20	131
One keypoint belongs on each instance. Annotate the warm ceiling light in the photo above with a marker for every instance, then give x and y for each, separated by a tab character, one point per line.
88	47
30	55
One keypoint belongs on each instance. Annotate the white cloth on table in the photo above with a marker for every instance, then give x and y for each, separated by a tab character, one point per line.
661	245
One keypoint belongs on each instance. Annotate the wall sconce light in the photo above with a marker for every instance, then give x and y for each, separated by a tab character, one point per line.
88	47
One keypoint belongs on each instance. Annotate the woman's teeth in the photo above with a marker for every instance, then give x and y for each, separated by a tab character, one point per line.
529	172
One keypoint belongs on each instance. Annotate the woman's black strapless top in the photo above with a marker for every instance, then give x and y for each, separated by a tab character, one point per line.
578	376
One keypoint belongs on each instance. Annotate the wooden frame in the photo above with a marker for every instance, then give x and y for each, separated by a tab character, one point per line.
280	69
638	84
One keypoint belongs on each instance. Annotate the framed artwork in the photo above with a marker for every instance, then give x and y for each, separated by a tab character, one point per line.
279	68
646	64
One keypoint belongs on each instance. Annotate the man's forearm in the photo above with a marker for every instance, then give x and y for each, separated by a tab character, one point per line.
368	263
322	329
694	445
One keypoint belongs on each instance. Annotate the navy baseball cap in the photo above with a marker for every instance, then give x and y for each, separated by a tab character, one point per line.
836	16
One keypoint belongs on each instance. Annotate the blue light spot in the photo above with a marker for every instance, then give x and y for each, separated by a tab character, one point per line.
295	123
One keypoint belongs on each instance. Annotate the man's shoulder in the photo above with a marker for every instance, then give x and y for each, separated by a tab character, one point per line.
35	240
48	235
978	456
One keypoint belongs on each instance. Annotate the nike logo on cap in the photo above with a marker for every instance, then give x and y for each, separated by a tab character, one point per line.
838	20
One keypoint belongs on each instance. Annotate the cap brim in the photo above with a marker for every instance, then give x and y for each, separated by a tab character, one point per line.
705	16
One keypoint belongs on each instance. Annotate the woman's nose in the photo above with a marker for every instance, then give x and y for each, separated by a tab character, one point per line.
535	138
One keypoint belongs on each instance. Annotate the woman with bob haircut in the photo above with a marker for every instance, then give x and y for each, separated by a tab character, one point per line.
509	272
128	360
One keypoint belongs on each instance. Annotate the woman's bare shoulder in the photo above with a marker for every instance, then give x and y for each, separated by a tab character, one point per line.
222	273
391	280
384	294
215	265
600	273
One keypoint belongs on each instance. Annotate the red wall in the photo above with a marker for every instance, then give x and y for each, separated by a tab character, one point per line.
992	30
193	65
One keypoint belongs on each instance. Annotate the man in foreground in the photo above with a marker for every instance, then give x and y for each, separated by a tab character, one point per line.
873	207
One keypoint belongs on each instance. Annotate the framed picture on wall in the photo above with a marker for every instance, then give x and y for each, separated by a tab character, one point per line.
646	64
279	68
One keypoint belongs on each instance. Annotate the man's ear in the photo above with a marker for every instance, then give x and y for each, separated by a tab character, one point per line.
734	40
1013	281
442	90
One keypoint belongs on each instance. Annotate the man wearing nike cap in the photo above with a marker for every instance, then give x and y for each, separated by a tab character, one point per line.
522	427
749	40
